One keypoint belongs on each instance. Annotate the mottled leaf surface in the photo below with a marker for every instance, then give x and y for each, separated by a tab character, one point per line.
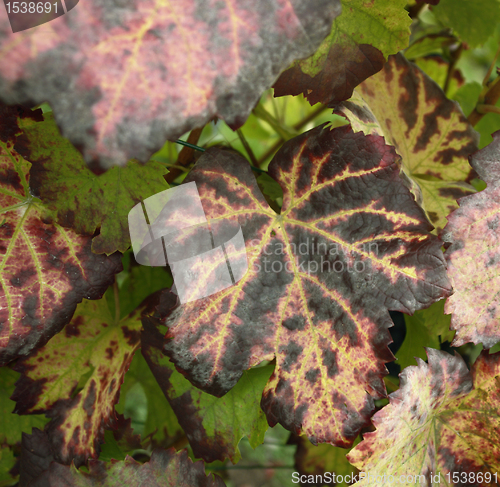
45	270
316	294
36	457
214	426
443	419
428	130
166	468
474	255
351	53
124	77
75	379
80	199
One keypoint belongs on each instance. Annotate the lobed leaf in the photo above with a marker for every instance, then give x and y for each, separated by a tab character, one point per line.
45	270
75	379
81	200
214	426
427	129
166	468
316	295
442	420
350	54
473	255
124	77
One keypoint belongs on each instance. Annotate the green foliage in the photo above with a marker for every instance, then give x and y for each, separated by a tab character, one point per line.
367	138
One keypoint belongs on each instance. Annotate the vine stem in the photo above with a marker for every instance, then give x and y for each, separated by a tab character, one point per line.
489	98
117	301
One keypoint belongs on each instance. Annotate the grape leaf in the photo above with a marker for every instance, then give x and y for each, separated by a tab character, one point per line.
124	77
213	426
80	199
350	54
443	419
166	468
36	457
350	243
473	260
45	270
429	131
12	425
7	462
423	329
161	424
474	22
92	354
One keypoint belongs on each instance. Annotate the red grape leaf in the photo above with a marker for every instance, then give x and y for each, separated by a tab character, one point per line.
351	53
429	132
166	468
214	426
45	270
75	379
350	243
124	77
473	257
443	419
80	199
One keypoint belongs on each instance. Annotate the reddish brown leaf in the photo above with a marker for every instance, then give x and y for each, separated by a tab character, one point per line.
45	270
166	468
316	295
75	379
123	77
473	230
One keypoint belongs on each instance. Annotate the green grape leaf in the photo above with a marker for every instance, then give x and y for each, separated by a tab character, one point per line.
80	199
124	77
323	460
349	244
423	329
473	259
474	22
443	421
360	40
214	426
160	424
75	379
429	131
166	468
7	462
12	425
45	270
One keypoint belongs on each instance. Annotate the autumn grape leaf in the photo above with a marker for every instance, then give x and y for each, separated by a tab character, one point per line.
350	243
80	199
36	457
443	419
473	255
214	426
166	468
45	270
123	78
350	54
92	354
429	131
426	328
325	460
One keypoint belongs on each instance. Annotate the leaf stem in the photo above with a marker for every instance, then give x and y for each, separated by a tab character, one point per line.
492	66
260	112
455	55
117	301
247	147
484	109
